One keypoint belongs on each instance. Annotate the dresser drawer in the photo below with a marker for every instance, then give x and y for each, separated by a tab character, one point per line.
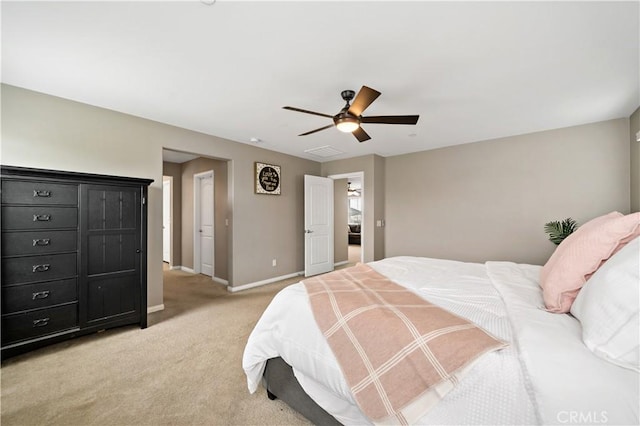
31	192
40	295
30	269
40	322
38	242
41	217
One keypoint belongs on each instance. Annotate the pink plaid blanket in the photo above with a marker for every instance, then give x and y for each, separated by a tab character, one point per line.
399	353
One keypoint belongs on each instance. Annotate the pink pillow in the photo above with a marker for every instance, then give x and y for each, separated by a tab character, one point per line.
581	254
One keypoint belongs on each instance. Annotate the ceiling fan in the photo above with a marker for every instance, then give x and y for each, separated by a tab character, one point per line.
352	192
350	117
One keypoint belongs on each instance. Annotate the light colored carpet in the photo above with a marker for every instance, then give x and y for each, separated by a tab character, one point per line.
184	369
354	253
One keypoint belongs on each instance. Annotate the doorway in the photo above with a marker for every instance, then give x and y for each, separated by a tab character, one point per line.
355	214
182	167
203	237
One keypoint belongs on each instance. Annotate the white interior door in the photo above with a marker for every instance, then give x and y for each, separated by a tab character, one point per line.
318	225
203	254
166	221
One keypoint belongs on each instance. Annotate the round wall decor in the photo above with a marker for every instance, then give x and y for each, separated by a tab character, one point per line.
267	178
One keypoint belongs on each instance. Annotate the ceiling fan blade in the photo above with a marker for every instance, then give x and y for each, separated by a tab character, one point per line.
361	135
307	112
363	99
391	119
316	130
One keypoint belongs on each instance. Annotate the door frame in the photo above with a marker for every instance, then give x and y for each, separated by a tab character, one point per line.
168	180
364	207
196	221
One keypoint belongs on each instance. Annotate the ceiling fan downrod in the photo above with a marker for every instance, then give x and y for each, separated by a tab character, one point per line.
348	95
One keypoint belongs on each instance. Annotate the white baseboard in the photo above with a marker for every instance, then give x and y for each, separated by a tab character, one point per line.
220	281
155	308
189	270
344	262
175	268
264	282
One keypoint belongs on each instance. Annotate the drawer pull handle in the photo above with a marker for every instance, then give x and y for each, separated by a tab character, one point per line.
40	295
41	242
41	322
42	218
41	193
41	268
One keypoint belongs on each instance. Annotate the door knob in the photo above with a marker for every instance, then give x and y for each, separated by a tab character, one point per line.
308	231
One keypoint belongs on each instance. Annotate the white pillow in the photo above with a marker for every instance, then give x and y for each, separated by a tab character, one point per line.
608	307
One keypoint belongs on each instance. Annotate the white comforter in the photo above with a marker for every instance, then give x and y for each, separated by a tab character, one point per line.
546	375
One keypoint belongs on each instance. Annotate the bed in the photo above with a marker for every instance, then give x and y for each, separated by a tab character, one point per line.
546	374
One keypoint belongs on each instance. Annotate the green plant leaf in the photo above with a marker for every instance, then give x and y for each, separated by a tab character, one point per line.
559	230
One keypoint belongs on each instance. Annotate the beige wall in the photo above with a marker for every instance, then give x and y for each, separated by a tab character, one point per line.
490	200
373	198
634	128
486	200
340	211
219	168
174	170
53	133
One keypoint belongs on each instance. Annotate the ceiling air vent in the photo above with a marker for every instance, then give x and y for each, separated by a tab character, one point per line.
324	151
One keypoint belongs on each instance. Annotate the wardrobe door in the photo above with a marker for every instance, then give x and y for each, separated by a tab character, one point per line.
111	245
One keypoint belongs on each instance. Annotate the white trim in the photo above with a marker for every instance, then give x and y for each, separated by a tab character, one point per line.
264	282
220	281
189	270
196	220
167	181
344	262
155	308
175	268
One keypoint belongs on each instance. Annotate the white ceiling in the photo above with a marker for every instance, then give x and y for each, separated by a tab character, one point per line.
473	71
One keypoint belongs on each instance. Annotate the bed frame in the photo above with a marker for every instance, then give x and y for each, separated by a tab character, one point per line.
280	382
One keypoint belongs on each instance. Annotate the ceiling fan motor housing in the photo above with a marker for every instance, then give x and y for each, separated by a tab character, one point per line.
345	117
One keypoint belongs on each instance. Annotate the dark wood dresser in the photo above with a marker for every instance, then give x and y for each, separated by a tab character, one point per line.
73	255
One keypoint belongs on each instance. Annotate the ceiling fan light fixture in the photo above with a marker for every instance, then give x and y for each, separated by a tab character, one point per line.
347	124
